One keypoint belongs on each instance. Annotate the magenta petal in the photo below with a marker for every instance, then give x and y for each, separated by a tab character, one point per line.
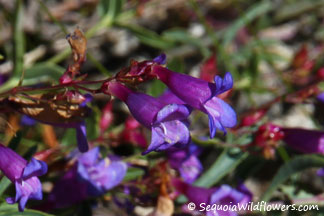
143	107
304	140
168	97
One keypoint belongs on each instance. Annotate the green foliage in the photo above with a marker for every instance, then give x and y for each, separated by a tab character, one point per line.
19	40
11	210
223	165
291	167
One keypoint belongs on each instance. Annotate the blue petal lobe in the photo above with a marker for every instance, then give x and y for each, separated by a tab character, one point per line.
34	168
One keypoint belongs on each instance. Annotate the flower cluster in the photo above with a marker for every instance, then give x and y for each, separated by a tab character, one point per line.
167	116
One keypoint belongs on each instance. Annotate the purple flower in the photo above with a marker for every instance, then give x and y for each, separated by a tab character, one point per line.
186	162
223	195
100	175
161	59
303	140
320	172
88	177
23	175
27	121
320	97
3	78
202	95
168	122
67	191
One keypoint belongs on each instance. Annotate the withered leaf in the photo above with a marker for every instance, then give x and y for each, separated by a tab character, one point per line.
48	109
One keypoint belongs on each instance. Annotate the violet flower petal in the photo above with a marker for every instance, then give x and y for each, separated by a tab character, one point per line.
220	115
161	59
34	168
89	158
116	172
190	169
81	133
202	95
167	134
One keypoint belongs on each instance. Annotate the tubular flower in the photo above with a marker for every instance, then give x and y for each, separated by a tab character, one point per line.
201	95
303	140
168	122
186	161
100	175
223	195
23	175
88	177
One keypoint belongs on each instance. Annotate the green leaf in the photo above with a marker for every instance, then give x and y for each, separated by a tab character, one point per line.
156	88
15	140
176	64
4	184
133	173
255	11
48	12
92	124
12	210
291	167
69	137
111	7
30	152
297	8
148	37
182	36
18	38
42	70
38	73
224	164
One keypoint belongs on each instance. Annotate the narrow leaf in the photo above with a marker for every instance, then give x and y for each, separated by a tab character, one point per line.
18	37
255	11
291	167
12	210
4	184
224	164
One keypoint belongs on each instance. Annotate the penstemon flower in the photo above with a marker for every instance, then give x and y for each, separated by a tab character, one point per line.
23	175
100	175
186	161
304	140
223	195
88	177
201	95
168	122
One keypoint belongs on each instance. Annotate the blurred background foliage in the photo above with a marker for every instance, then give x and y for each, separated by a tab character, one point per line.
273	48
